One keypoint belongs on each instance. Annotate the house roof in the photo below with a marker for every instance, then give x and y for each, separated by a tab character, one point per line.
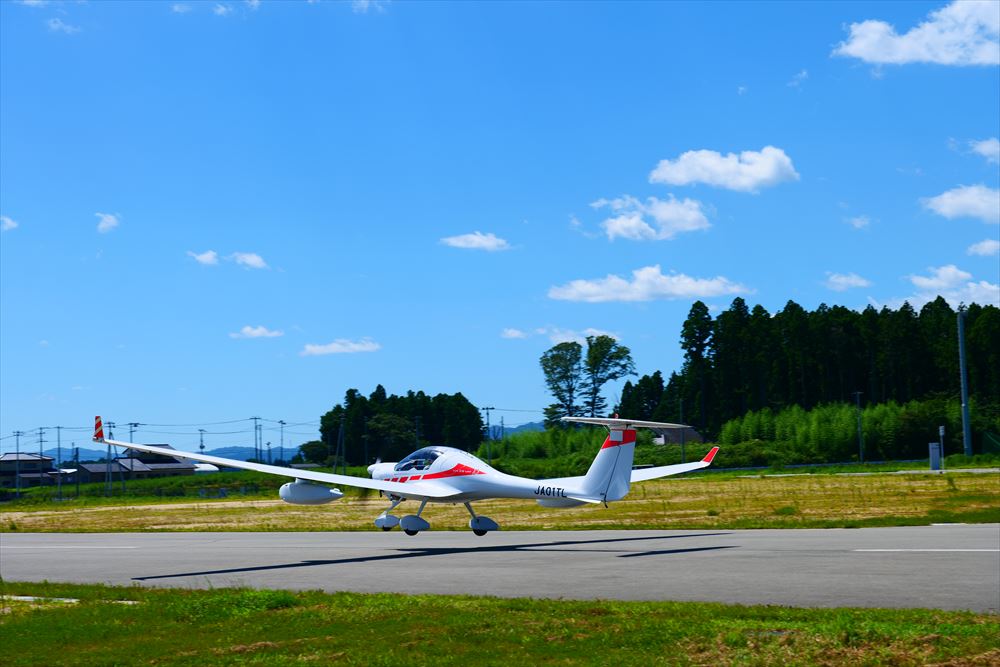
24	456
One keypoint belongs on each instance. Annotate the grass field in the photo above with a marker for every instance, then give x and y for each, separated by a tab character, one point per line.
240	627
723	501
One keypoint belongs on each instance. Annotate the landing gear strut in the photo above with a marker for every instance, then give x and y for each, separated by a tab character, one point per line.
480	525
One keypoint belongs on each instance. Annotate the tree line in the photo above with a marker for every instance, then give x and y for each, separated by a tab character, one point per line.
747	360
388	427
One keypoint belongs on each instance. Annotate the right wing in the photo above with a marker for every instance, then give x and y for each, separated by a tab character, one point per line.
418	489
642	474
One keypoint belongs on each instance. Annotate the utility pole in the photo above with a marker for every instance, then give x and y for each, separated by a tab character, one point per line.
58	446
132	426
41	441
76	464
201	440
107	465
17	463
256	432
964	373
269	452
281	447
503	433
861	435
489	436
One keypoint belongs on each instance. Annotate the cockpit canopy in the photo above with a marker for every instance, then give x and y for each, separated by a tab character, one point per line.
419	460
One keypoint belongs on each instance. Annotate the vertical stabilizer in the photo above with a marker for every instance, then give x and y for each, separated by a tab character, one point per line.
610	473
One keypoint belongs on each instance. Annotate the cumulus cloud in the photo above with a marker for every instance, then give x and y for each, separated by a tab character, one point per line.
985	248
7	224
513	333
222	10
966	32
58	25
251	260
107	222
654	220
967	201
953	284
747	171
859	221
558	335
477	241
798	79
647	283
180	8
254	5
208	258
988	148
362	6
341	346
256	332
841	282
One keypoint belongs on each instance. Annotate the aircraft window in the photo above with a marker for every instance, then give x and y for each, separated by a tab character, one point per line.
418	460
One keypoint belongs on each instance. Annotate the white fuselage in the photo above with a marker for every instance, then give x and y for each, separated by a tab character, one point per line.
472	477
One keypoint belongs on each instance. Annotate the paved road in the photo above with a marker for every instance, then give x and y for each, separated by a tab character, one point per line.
946	567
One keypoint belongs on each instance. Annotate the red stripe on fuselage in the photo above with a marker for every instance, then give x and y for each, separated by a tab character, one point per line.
628	437
460	470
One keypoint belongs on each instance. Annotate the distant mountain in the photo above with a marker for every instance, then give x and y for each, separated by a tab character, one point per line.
530	426
237	453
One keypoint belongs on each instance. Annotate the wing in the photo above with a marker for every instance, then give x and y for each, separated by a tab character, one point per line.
418	489
642	474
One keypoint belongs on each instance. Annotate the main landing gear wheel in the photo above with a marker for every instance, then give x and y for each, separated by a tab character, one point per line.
411	533
387	528
479	524
479	533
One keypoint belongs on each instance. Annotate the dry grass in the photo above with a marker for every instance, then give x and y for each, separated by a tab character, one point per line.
704	502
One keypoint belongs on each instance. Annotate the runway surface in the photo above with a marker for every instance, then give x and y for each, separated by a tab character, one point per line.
945	567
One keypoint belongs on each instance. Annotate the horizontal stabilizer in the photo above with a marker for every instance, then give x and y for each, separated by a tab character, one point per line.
620	424
643	474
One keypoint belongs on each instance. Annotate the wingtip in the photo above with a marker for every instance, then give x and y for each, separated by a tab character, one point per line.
711	455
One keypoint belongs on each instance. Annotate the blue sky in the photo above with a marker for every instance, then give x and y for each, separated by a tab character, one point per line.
218	210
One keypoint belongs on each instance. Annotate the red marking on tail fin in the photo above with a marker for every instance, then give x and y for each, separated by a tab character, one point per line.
98	428
711	455
627	437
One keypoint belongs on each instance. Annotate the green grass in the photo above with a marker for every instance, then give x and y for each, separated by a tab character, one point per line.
240	626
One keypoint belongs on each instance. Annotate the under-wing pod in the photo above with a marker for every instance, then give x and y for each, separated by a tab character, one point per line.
301	492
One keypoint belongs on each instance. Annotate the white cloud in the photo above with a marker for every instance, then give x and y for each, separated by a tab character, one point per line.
798	79
648	283
341	346
512	333
362	6
859	221
222	10
7	224
942	277
962	33
256	332
746	172
251	260
988	148
180	8
34	3
669	217
208	258
967	201
985	248
953	284
107	222
741	90
254	5
841	282
477	241
557	335
58	25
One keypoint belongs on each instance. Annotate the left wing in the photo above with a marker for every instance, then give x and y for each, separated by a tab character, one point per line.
642	474
418	489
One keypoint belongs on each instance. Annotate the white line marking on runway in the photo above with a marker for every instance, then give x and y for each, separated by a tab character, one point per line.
991	551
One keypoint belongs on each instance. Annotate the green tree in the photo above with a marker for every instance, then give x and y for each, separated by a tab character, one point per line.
606	360
562	365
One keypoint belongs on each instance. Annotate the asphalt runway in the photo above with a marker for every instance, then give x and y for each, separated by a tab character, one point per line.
944	567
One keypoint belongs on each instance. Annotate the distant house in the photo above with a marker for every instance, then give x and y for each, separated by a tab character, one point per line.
137	465
34	470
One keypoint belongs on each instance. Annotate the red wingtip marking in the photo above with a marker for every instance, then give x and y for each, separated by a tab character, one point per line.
711	455
98	428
